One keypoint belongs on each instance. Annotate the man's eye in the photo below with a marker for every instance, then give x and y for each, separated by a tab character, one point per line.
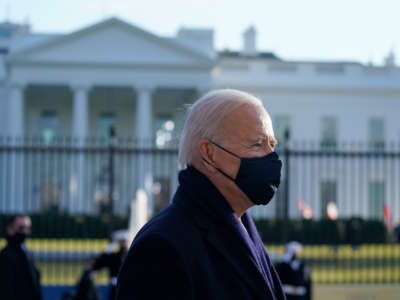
257	145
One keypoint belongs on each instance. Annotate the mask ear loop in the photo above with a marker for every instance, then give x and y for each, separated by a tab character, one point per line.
218	169
222	148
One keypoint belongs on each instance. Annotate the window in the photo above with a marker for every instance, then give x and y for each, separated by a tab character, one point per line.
328	133
376	134
164	130
106	121
328	197
376	199
282	127
49	126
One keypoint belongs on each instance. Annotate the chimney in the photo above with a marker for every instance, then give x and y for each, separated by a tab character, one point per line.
390	60
249	42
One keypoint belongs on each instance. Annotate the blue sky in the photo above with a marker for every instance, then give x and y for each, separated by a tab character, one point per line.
360	30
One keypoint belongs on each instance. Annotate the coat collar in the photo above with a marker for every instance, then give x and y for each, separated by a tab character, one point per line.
235	252
209	210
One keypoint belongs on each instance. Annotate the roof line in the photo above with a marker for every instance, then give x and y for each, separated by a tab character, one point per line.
113	20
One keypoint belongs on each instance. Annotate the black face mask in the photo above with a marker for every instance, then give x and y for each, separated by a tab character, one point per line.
17	238
258	177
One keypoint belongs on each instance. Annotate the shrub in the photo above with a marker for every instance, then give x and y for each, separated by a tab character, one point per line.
342	231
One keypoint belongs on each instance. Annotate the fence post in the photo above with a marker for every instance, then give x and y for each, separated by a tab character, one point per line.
285	233
111	177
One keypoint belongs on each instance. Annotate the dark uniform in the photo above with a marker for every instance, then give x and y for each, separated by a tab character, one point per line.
295	276
19	278
111	261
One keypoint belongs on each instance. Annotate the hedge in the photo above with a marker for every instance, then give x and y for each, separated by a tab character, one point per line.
343	231
67	226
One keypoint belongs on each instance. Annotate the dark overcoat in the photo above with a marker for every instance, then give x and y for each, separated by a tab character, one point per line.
19	278
185	253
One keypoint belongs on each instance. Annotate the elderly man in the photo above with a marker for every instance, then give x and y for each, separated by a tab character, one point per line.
205	245
19	278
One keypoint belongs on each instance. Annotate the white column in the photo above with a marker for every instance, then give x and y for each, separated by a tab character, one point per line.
16	132
79	181
16	110
144	115
4	111
80	112
144	137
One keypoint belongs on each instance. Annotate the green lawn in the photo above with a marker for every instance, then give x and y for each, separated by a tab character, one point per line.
66	273
60	273
375	263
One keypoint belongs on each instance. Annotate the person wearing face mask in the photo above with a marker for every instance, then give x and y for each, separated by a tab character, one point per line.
205	245
19	278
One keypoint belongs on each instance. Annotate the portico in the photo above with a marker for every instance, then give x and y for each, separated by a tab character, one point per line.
112	73
78	110
112	54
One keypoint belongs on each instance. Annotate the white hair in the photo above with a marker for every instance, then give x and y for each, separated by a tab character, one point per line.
205	118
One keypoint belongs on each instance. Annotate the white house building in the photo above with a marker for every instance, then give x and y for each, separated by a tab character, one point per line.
114	73
338	105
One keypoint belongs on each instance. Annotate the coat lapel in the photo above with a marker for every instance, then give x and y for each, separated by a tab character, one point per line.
259	243
277	283
198	197
236	254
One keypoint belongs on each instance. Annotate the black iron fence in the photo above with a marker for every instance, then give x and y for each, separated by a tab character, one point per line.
90	177
341	201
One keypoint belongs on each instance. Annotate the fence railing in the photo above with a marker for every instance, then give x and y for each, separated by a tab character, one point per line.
92	178
343	201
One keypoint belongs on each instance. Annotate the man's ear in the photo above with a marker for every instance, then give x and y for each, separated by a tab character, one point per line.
207	154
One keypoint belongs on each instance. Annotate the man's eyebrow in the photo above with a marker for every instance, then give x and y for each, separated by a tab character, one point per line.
265	137
258	139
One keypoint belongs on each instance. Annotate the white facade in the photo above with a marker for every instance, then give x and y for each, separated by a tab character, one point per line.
306	92
71	67
353	96
123	74
72	73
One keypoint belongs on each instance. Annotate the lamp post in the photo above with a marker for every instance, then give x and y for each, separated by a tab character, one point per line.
285	233
109	213
111	153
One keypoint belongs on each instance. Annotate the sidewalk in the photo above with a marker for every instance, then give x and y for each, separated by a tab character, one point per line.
356	292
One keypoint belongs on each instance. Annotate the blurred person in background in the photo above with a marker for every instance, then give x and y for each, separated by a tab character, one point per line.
295	274
112	259
86	288
19	278
355	233
205	244
396	234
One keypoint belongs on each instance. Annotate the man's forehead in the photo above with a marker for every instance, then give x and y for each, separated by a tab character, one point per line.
249	120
